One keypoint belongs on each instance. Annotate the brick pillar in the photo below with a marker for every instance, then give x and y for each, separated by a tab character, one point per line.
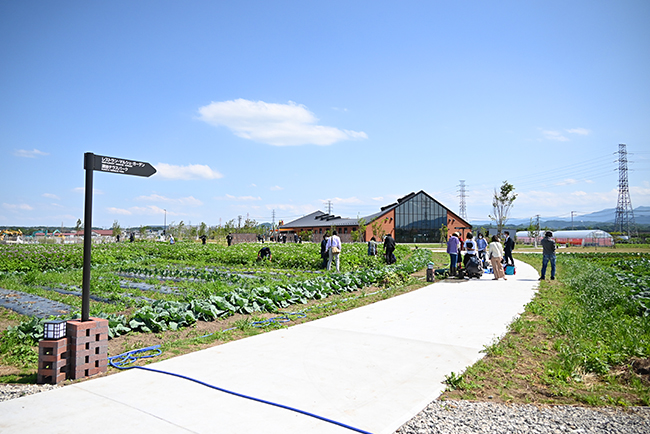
52	361
88	347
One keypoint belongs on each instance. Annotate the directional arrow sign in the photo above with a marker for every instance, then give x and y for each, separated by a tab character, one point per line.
122	166
94	162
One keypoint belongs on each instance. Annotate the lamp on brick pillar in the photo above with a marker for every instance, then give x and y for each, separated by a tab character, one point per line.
53	353
53	330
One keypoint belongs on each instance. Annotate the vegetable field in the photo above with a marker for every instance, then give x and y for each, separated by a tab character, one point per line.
153	287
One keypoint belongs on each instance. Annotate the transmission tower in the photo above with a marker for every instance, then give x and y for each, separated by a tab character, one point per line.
462	195
329	207
624	222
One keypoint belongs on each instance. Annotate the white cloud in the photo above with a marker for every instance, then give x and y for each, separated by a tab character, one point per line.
189	172
288	124
580	131
238	198
139	210
568	181
352	199
16	207
118	211
185	201
290	210
83	190
29	154
554	135
276	188
378	199
51	196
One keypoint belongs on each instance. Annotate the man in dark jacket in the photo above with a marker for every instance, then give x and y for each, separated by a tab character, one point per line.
508	247
324	254
389	248
548	255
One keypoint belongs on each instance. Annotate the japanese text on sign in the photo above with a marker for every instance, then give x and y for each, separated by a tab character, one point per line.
117	165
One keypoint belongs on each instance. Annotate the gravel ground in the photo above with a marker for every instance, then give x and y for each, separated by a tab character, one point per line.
465	417
13	391
459	417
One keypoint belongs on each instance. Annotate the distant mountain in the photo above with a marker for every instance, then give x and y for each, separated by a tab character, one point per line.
641	217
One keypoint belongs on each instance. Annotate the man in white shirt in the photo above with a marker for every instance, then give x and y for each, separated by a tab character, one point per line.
334	248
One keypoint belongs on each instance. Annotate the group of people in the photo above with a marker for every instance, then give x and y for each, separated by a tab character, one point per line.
500	255
481	249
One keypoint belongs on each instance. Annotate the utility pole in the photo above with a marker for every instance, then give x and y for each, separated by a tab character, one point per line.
463	207
537	234
572	214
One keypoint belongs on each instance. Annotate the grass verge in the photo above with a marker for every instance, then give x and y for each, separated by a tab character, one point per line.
580	341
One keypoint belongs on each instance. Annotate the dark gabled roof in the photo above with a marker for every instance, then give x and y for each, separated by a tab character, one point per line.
319	218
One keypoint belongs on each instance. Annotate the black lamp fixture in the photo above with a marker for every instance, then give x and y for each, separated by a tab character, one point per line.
54	330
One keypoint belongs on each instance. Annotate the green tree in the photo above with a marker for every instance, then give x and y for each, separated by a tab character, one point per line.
378	229
78	226
203	229
533	231
117	229
444	231
143	231
502	204
362	229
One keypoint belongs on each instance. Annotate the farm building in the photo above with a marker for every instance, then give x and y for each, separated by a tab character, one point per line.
414	218
589	237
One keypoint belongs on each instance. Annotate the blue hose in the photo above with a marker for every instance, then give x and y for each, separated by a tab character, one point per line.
131	356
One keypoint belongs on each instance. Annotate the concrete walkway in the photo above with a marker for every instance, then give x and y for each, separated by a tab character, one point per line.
372	368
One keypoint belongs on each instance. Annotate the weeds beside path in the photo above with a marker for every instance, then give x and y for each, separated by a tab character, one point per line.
582	340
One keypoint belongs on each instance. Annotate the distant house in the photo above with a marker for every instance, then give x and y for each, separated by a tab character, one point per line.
414	218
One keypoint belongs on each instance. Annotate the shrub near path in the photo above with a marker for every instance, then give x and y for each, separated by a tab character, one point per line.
582	340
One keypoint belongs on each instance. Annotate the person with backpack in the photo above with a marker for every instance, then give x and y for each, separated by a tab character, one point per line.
334	247
372	247
470	249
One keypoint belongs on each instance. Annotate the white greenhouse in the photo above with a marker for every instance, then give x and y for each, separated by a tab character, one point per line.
588	237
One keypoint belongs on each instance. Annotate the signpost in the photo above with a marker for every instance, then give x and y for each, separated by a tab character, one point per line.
101	163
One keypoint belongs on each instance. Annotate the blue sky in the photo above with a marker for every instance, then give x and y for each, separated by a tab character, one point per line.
251	107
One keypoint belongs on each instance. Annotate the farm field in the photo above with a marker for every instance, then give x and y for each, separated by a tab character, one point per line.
584	339
160	293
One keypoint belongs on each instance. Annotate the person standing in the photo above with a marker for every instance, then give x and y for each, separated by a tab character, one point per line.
229	239
481	245
372	247
334	247
495	252
389	247
453	245
324	254
509	247
548	254
204	239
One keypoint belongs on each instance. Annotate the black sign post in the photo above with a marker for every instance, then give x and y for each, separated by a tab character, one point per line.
94	162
